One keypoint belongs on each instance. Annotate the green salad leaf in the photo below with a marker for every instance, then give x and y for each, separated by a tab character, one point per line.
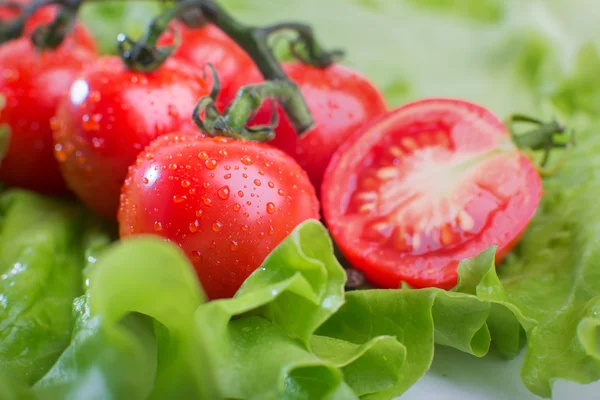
44	245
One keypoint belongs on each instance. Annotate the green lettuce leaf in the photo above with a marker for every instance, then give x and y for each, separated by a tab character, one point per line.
134	337
44	245
554	276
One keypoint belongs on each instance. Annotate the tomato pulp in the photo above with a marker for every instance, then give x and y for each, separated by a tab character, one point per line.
425	186
226	203
33	84
340	100
111	114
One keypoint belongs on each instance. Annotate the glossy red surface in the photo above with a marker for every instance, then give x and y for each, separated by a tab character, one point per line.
226	203
111	114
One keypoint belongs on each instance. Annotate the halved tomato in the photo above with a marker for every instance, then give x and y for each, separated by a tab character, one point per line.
425	186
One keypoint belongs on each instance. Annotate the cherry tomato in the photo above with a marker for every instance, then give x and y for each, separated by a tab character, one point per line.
340	101
209	44
44	16
111	114
425	186
226	203
33	84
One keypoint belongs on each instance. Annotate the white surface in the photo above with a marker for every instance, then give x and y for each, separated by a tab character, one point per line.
458	376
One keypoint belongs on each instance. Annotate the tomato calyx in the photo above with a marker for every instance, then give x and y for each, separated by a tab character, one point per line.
234	122
546	136
44	37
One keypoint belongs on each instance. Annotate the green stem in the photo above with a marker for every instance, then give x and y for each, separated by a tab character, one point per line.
233	123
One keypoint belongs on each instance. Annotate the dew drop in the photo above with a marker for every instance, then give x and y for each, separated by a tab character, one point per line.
236	207
257	182
240	193
234	245
245	228
246	160
223	193
270	208
203	155
196	256
271	230
185	183
261	172
145	181
271	185
157	226
206	185
206	200
223	153
227	167
179	199
193	227
91	123
227	176
199	213
217	226
280	192
211	163
172	167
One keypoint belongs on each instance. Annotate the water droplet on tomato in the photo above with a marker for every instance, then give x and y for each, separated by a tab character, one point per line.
203	155
185	183
245	228
234	245
95	96
213	244
261	172
199	213
206	185
271	230
246	160
223	153
240	193
244	176
157	226
193	227
179	199
54	124
227	167
145	181
206	200
217	226
270	208
211	163
223	193
196	256
271	185
236	207
227	176
172	167
280	192
257	182
60	153
91	123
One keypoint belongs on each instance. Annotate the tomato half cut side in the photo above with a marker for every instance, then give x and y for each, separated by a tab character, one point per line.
425	186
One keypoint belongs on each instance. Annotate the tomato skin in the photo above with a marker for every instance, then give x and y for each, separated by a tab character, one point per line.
44	16
33	84
226	203
472	129
340	100
111	114
209	44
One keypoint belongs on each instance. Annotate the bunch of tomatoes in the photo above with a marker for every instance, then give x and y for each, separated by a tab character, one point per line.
406	193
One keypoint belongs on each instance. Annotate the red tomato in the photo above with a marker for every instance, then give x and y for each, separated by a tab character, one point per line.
33	84
340	101
209	44
111	114
43	16
226	203
425	186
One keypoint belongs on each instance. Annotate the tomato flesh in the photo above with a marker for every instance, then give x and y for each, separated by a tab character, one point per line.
425	186
226	203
